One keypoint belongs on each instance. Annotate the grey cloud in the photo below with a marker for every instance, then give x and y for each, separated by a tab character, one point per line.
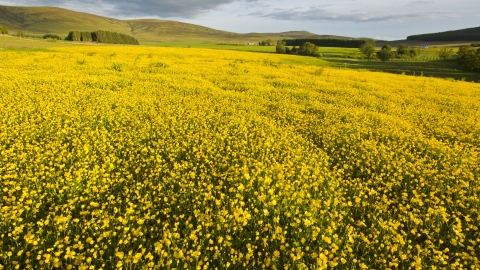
131	8
317	14
419	3
167	8
257	5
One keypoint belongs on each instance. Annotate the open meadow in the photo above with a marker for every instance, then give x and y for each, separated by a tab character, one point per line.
188	158
427	63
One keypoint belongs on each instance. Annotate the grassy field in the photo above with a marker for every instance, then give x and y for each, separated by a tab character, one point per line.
15	43
448	69
428	63
159	158
208	45
325	51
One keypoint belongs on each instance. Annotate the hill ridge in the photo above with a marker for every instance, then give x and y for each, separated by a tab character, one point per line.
465	34
47	19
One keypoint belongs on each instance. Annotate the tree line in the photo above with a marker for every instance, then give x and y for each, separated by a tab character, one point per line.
307	49
386	52
329	42
467	34
267	42
101	37
468	56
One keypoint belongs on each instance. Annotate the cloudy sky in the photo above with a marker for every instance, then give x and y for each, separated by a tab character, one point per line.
385	19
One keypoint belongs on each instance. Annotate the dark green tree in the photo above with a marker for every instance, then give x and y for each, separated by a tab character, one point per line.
301	49
86	36
445	53
403	51
469	57
73	36
111	37
384	54
294	50
462	51
367	49
280	48
108	37
472	60
387	47
310	49
414	53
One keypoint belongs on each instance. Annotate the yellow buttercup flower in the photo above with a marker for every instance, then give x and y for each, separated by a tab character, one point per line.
162	158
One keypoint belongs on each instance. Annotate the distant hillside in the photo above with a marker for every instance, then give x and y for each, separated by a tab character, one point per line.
297	34
468	34
42	20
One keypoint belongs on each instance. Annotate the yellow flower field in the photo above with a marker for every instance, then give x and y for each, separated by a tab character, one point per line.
178	158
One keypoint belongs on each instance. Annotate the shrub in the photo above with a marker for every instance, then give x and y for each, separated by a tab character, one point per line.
51	36
3	30
385	55
267	42
445	53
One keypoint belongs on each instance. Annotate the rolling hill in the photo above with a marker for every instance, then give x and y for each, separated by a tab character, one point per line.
42	20
467	34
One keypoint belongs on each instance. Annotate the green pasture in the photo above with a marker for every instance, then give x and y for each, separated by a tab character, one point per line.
448	69
11	42
219	46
